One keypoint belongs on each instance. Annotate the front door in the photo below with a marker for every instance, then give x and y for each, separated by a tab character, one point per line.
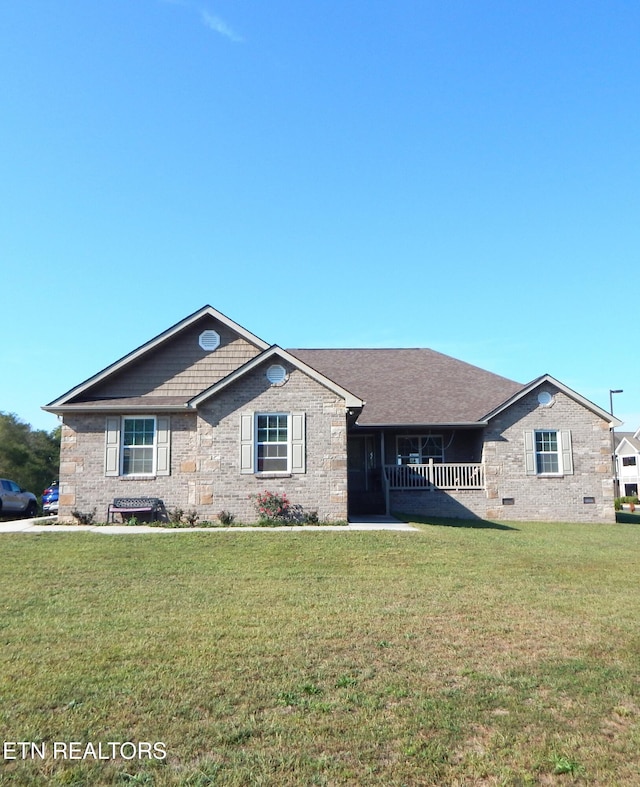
364	475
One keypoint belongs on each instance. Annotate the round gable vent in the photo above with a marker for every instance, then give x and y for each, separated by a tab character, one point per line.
209	340
276	374
545	398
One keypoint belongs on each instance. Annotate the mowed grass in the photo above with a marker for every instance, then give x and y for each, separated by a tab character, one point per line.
449	656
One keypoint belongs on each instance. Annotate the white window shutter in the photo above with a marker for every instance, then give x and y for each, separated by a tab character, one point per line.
567	454
163	446
246	443
298	448
529	453
112	446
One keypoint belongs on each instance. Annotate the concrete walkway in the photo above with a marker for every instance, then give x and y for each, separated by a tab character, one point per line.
47	525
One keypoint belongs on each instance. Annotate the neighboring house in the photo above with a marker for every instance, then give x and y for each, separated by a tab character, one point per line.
207	414
628	462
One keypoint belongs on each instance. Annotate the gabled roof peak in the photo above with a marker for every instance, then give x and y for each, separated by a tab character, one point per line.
547	378
152	344
351	401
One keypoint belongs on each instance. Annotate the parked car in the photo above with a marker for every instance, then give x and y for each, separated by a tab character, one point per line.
16	500
50	499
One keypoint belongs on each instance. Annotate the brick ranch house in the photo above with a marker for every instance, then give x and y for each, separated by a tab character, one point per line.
207	414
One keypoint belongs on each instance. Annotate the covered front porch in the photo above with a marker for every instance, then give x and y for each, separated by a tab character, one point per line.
384	461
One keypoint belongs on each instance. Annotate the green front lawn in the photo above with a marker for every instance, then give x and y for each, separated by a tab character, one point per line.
454	655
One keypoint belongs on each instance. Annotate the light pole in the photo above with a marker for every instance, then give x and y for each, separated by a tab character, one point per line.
616	491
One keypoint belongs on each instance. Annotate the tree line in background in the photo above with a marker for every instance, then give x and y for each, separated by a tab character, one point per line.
30	457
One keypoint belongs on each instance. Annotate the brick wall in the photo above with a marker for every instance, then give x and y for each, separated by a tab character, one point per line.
513	495
205	455
538	498
322	488
467	504
83	484
205	461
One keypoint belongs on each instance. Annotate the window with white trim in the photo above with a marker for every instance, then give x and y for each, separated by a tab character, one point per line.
137	446
547	455
628	461
273	442
548	452
419	449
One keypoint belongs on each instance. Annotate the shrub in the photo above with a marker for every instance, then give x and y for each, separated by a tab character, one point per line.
275	509
175	516
191	517
84	519
271	506
226	518
178	517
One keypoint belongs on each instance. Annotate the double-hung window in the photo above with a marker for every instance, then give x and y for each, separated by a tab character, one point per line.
137	446
547	456
272	442
548	452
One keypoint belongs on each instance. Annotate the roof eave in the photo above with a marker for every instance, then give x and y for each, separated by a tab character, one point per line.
88	407
426	425
547	378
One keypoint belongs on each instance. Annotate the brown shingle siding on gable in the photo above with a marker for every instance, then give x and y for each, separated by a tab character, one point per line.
180	367
412	386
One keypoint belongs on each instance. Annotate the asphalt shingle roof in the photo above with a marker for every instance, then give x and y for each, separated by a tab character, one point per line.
412	386
630	437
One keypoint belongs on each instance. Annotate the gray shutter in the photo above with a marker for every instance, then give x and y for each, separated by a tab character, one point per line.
529	453
298	450
163	446
567	455
112	446
246	443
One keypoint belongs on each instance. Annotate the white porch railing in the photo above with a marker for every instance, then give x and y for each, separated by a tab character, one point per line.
453	475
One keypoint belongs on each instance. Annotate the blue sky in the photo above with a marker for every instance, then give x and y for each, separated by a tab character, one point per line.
457	175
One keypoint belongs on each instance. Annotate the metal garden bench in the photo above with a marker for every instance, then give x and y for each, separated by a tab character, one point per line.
135	505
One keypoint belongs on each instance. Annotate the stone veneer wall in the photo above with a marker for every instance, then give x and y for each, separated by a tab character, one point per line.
538	498
205	452
535	498
205	455
84	486
322	488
